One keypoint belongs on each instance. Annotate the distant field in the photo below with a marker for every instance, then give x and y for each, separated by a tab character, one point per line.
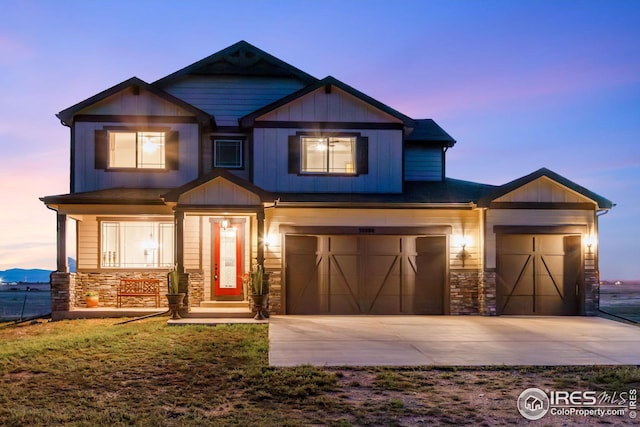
621	300
17	302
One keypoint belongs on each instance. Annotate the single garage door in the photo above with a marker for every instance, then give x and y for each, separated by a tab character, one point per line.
365	274
538	274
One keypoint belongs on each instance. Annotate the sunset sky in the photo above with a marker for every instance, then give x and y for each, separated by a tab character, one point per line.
519	84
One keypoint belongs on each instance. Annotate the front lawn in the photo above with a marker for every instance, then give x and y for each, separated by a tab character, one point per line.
97	373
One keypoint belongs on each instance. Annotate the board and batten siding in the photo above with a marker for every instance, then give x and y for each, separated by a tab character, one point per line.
423	163
228	98
126	102
336	106
271	164
88	178
462	222
531	217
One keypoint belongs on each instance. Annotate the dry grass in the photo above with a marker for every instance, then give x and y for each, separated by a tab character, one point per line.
95	373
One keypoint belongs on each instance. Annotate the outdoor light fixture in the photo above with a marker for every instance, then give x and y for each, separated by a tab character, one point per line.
463	241
269	239
224	224
589	241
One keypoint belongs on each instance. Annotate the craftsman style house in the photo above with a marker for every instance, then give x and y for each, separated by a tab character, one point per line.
242	159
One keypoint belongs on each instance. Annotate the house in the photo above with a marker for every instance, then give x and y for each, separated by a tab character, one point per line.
242	159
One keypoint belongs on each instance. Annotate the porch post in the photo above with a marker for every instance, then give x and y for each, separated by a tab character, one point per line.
179	244
260	254
61	237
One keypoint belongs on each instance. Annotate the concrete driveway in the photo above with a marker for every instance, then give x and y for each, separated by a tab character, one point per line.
450	340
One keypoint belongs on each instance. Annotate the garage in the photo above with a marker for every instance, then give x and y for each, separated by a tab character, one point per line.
538	274
353	274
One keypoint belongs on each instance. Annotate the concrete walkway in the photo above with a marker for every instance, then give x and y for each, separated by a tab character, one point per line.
450	340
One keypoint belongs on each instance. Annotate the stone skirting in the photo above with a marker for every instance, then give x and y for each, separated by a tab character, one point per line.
275	292
106	285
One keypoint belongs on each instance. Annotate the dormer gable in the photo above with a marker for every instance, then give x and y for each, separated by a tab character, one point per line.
327	100
134	97
544	188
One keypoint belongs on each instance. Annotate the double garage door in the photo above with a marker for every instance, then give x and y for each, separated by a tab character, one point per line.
346	274
538	274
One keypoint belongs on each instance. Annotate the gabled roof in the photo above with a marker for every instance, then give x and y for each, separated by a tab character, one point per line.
602	202
66	116
249	119
240	58
426	130
174	195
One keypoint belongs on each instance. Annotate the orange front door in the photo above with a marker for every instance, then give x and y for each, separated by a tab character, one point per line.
227	260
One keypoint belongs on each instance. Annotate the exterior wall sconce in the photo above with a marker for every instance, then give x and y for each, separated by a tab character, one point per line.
463	241
589	241
224	224
269	240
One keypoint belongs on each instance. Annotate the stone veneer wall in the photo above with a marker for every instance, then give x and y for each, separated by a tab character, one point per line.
591	300
275	292
463	291
105	283
63	292
195	290
487	293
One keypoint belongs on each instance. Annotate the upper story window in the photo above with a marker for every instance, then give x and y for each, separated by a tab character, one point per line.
328	154
334	154
144	150
125	148
227	153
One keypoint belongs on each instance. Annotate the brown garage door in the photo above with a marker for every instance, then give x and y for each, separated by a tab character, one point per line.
365	274
538	274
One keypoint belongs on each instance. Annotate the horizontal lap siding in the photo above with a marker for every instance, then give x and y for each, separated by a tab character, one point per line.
88	243
531	217
228	98
271	165
423	164
88	178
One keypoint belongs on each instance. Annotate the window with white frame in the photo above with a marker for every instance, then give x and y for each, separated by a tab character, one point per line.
328	154
227	153
136	244
144	150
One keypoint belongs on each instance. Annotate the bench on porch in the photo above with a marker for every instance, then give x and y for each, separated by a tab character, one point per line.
139	288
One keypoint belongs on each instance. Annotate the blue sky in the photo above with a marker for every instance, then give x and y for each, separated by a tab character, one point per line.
519	84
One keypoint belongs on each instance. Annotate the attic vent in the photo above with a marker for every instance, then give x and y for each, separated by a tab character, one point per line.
366	230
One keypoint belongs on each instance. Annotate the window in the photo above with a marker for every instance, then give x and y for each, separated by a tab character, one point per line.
136	244
328	154
227	153
121	148
145	150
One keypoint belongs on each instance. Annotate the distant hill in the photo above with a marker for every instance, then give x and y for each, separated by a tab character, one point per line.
34	275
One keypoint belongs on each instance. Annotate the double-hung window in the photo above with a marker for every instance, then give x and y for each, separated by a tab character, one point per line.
136	244
144	150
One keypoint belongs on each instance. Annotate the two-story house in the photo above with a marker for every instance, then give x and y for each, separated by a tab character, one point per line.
242	159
